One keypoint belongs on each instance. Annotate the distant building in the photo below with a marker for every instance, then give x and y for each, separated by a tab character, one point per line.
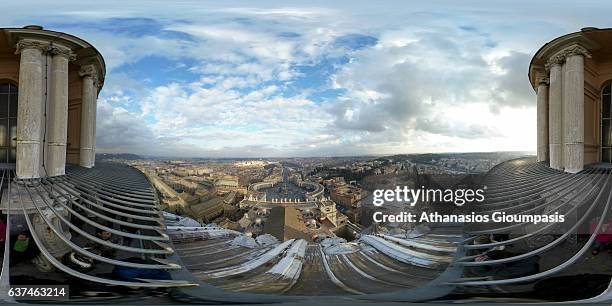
227	181
328	211
347	195
209	210
230	198
188	198
354	215
285	223
251	163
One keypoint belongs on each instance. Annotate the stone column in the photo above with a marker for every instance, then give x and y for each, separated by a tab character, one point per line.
30	108
555	113
57	117
573	109
95	116
88	115
542	114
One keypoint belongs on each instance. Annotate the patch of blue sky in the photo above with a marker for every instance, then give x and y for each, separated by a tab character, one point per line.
468	28
314	79
355	41
326	95
158	70
288	35
150	119
129	27
242	20
489	43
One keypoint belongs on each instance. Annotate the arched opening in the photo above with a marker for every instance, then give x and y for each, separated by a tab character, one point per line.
606	124
8	123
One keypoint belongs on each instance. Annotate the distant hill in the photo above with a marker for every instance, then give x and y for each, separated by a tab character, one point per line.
427	157
126	156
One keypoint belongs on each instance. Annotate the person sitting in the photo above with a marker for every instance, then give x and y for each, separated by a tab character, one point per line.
23	249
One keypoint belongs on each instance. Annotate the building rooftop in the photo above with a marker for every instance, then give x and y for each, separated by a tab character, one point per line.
65	216
285	223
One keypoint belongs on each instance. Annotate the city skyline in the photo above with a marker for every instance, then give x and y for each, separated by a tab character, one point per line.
312	79
126	156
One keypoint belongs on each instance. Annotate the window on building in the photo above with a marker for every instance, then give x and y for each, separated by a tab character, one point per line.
606	124
8	123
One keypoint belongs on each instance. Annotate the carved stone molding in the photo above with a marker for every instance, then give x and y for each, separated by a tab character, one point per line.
560	57
89	71
576	50
46	48
543	80
30	44
61	51
555	60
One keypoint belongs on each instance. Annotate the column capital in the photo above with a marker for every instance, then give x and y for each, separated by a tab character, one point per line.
543	80
55	49
576	50
556	60
560	57
89	70
30	44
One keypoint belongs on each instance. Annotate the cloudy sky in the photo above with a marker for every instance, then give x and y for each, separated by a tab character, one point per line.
313	78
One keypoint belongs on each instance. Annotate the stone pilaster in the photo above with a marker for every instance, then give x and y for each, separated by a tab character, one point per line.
30	108
542	115
88	115
57	117
573	109
555	113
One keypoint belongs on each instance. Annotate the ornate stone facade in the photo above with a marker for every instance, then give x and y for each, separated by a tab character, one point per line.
50	107
567	75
